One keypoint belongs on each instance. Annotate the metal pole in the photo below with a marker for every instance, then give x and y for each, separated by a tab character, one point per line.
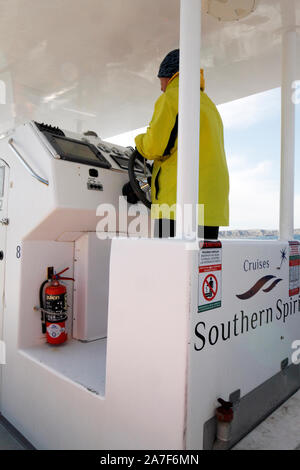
287	189
189	115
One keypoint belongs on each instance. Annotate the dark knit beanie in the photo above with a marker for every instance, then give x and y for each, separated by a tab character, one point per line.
170	65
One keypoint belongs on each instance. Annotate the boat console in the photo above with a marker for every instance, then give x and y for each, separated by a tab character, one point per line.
158	330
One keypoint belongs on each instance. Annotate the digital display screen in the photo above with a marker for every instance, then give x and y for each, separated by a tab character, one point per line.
77	150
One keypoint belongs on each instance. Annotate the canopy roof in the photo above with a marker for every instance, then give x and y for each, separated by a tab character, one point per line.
92	64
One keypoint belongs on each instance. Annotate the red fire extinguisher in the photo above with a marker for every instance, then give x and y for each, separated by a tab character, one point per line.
54	307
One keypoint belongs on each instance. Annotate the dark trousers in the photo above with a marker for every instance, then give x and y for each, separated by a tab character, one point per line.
165	228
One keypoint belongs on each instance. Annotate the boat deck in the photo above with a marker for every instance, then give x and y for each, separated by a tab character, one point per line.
11	439
280	431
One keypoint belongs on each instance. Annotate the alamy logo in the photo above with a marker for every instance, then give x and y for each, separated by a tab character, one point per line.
2	353
2	92
296	353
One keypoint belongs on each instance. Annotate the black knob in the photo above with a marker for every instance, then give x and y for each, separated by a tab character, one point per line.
1	255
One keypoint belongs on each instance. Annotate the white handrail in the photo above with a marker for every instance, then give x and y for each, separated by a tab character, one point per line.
25	164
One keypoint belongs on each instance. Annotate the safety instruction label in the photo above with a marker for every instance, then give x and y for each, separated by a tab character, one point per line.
294	268
210	276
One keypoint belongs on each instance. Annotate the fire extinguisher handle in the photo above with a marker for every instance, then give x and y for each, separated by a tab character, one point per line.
61	272
58	276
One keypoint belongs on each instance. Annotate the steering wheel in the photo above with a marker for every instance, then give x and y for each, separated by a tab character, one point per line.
139	175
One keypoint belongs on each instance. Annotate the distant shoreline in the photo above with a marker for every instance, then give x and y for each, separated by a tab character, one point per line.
265	234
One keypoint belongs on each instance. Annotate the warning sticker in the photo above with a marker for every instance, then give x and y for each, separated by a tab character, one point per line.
210	276
294	268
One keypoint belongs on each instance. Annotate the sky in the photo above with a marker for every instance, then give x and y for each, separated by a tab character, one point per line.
252	144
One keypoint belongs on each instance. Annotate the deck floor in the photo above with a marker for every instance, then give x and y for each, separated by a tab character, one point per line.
280	431
8	441
84	363
10	438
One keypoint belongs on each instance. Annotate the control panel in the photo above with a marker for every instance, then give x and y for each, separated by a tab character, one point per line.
120	156
88	150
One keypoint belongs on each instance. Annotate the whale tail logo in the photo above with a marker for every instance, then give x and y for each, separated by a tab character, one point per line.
258	286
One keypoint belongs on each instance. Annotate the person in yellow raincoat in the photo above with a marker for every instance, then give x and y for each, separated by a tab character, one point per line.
159	144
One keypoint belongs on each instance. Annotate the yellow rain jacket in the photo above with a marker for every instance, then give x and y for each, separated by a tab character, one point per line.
159	143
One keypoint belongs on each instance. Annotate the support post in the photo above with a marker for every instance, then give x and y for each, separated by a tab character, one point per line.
287	186
189	116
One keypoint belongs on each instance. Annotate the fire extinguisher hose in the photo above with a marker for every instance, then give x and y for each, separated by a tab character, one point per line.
42	306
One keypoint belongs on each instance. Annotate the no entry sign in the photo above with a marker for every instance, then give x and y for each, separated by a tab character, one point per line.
210	276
